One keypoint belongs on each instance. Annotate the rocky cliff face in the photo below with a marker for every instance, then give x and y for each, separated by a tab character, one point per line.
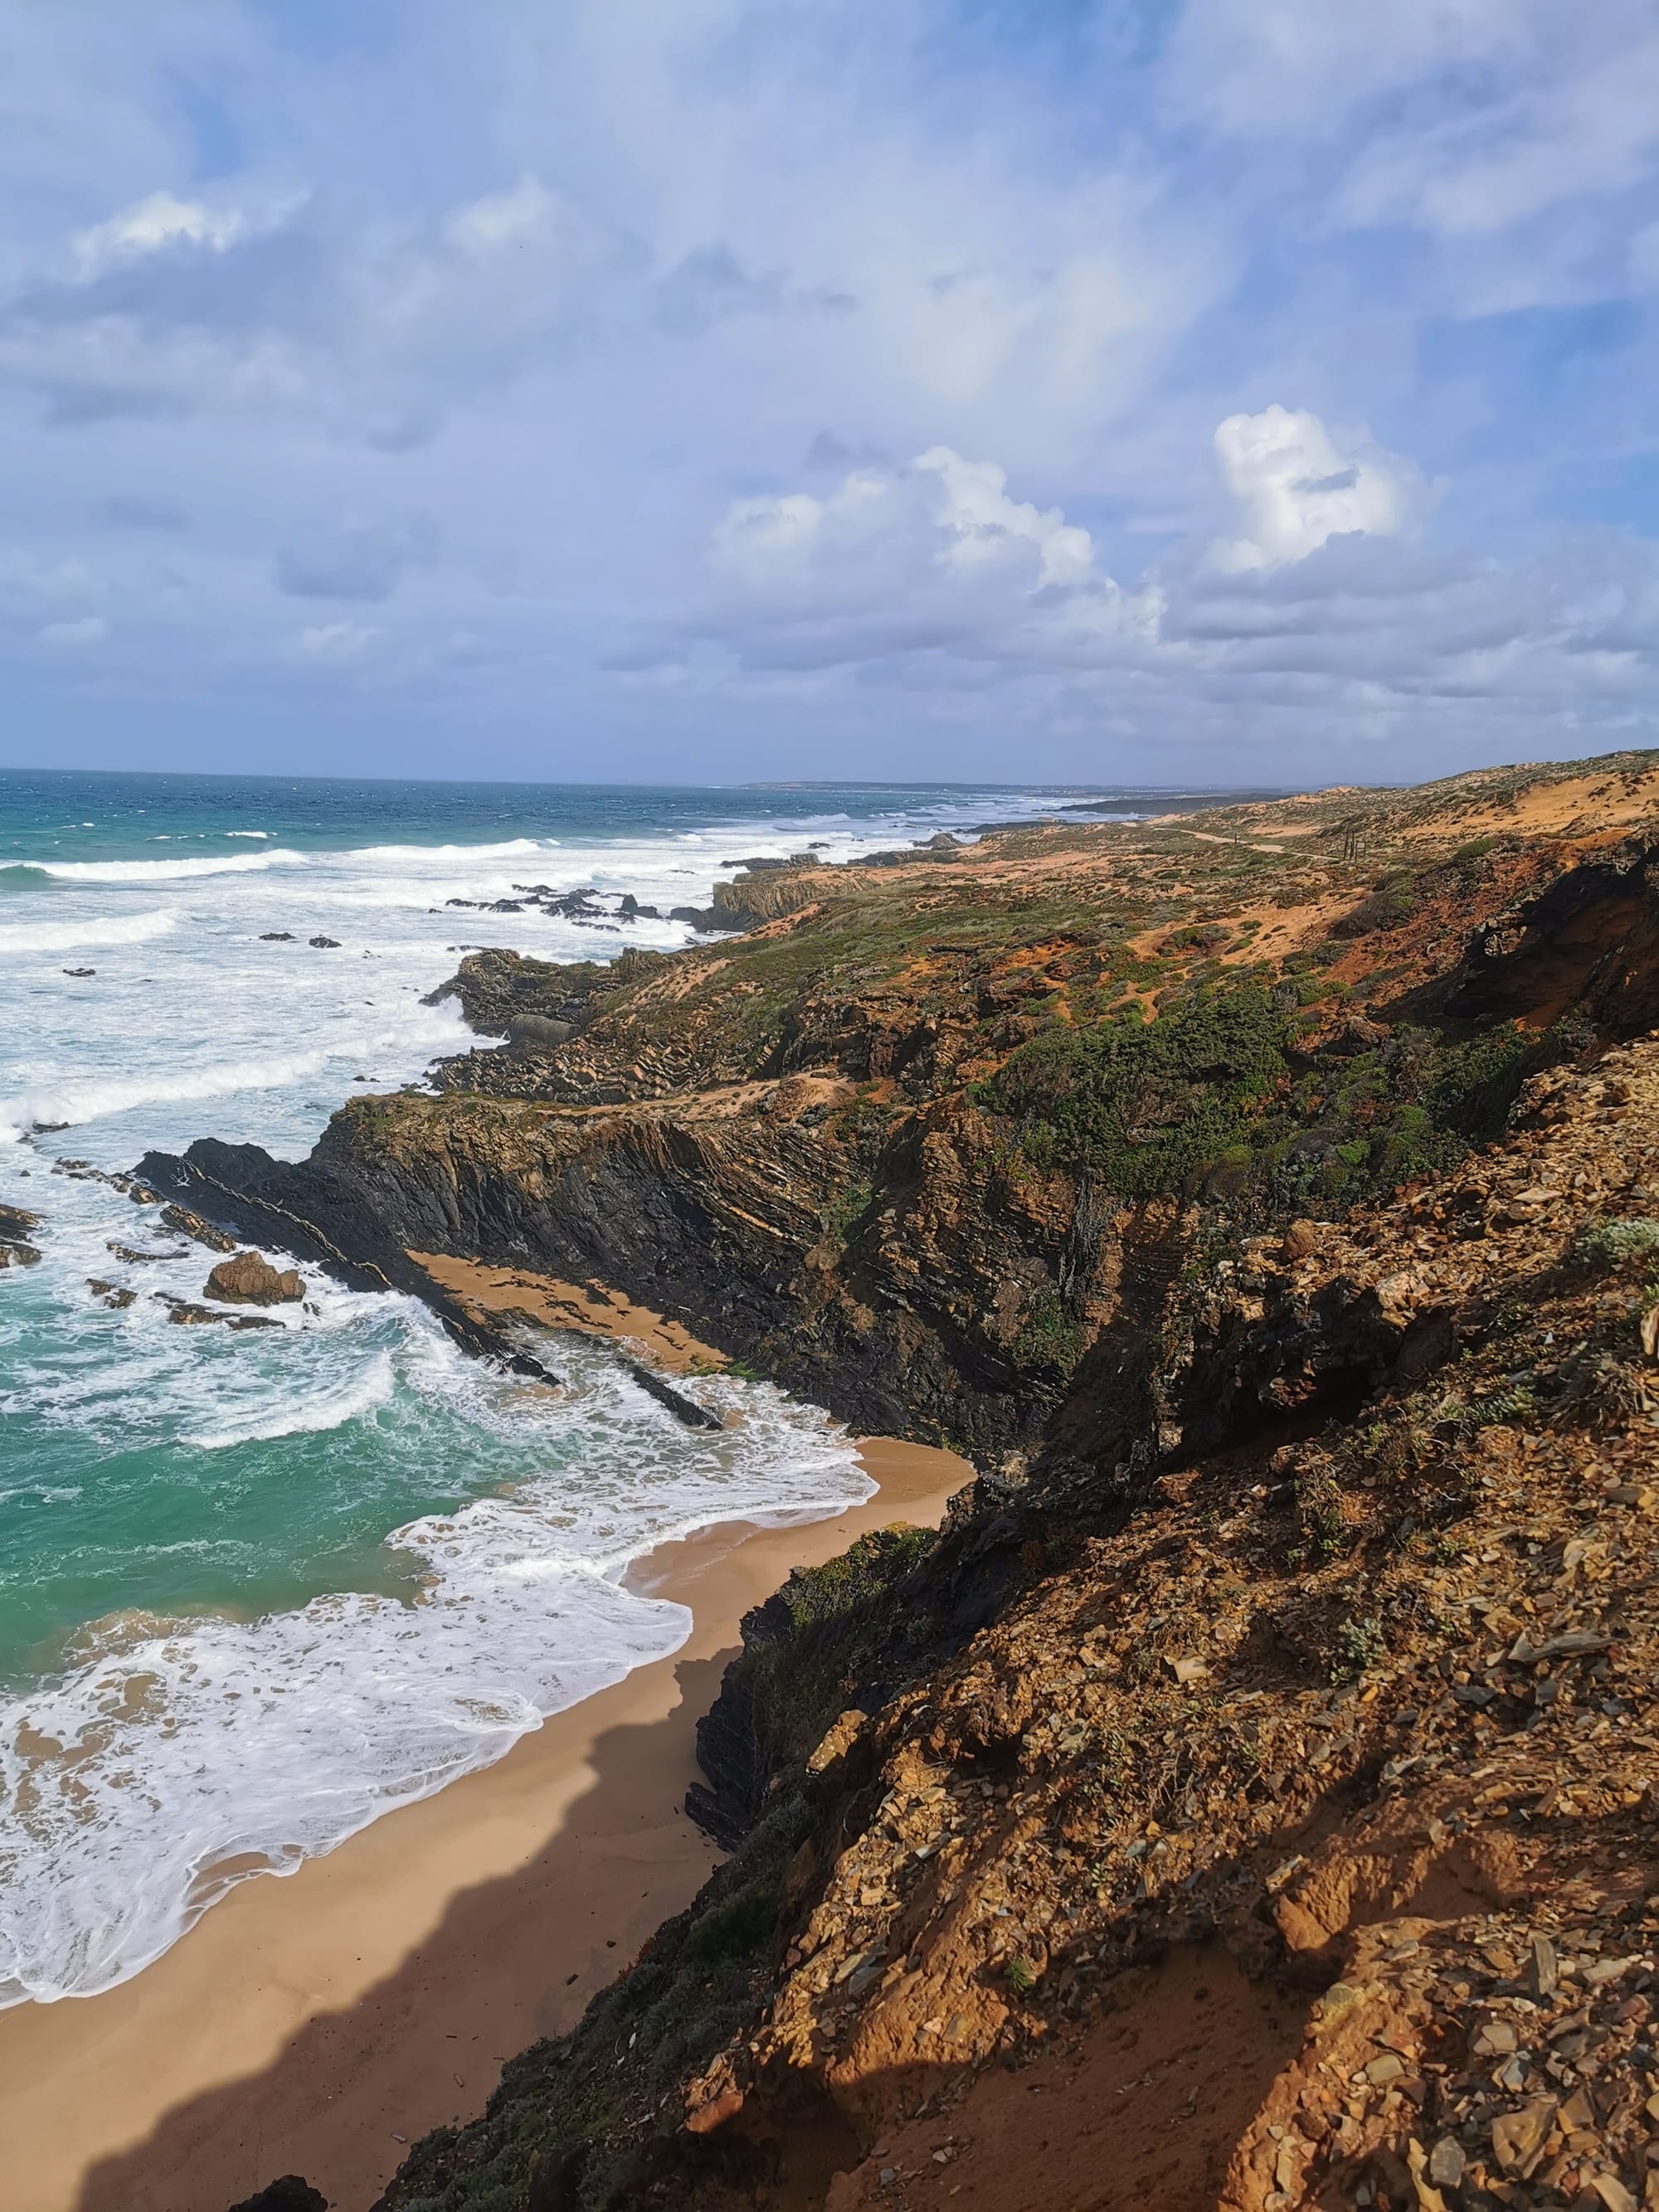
1261	1763
1287	1836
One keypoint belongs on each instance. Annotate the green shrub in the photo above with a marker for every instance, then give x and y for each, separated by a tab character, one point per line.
736	1930
1607	1245
1049	1337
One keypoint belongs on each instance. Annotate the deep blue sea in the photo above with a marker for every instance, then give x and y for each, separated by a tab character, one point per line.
257	1589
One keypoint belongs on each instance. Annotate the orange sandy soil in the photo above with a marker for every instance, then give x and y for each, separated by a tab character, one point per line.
1140	2112
1586	803
310	2025
589	1308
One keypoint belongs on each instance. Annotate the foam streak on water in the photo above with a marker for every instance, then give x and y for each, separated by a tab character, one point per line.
257	1588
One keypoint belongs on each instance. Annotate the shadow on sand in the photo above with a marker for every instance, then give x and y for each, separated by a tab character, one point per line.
335	2102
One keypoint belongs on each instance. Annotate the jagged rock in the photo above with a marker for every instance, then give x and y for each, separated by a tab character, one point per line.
17	1224
186	1224
15	1254
189	1316
277	937
323	944
1301	1241
290	2194
250	1280
536	1033
114	1294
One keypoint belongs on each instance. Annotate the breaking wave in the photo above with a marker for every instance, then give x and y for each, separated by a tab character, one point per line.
90	932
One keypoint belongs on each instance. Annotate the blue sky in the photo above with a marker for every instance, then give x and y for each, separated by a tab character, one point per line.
1162	389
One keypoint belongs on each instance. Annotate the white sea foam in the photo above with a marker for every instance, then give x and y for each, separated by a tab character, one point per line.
294	1415
249	832
131	1784
276	1737
89	932
95	1100
165	872
509	849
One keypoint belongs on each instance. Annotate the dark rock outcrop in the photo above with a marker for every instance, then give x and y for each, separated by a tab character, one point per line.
290	2194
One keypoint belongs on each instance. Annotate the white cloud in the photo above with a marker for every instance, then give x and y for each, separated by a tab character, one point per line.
575	285
931	555
1589	128
1289	68
155	223
499	221
336	641
1298	484
74	637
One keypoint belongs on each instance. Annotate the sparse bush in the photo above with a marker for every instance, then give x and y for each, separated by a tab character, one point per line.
1606	1246
735	1931
1049	1337
1603	1392
1360	1644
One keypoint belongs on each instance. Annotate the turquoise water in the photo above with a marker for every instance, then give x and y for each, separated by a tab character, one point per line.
257	1588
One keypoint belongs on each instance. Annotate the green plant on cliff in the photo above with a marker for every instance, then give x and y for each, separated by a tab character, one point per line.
845	1209
1222	1094
1048	1336
1147	1103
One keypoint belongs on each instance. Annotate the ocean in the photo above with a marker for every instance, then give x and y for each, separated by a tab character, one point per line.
257	1589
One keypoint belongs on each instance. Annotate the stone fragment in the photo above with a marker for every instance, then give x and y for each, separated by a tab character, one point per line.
1542	1968
1446	2163
1614	2193
1517	2137
1386	2066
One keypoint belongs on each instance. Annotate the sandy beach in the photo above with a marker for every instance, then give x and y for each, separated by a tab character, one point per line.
314	2023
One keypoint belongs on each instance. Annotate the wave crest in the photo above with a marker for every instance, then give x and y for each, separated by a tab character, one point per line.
167	871
67	936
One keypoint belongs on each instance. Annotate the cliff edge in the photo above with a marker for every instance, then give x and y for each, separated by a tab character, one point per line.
1250	1799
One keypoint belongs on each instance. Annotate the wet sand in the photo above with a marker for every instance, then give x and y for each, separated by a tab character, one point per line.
584	1309
307	2025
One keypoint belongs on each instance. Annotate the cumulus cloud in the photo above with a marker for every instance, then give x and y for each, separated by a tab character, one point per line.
152	225
1298	484
1327	611
870	360
176	310
931	555
937	554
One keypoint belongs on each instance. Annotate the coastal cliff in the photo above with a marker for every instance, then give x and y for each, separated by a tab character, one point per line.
1249	1799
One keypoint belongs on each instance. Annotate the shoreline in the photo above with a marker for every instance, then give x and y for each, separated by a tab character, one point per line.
312	2023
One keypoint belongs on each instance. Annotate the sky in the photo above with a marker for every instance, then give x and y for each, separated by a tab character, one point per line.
1162	391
